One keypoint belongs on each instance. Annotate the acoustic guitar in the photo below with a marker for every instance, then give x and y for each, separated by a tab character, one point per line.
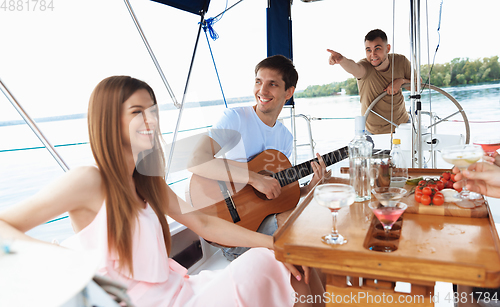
245	206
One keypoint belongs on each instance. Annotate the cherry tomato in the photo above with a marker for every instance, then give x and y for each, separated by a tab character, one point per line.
440	185
443	180
418	191
449	184
452	177
425	199
438	199
418	197
446	176
422	183
427	191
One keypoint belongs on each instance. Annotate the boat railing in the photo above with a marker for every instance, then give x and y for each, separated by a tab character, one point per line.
33	126
171	183
311	140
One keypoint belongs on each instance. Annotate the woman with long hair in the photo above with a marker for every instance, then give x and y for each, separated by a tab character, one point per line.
120	208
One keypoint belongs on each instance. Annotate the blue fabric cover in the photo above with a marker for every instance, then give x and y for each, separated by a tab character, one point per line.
191	6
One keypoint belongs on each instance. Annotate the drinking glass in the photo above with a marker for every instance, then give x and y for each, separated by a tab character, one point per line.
488	137
389	196
387	217
334	196
462	156
380	170
490	144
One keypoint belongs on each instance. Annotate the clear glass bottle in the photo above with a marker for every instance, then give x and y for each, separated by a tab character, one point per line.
399	173
360	152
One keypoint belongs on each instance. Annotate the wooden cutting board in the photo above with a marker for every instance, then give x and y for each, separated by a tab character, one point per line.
467	209
478	208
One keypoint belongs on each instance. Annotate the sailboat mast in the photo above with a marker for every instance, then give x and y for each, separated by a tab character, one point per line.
416	106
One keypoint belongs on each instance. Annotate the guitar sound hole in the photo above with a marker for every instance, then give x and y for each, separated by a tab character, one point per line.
259	194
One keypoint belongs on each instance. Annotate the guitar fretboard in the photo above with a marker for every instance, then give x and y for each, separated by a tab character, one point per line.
296	172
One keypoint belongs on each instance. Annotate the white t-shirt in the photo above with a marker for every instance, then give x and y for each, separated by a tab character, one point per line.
242	135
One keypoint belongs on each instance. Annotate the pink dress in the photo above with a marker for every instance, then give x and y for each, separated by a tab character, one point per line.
254	279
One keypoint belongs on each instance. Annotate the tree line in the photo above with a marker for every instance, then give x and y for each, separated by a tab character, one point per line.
459	71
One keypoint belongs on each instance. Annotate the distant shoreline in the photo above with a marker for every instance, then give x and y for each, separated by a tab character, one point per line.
457	72
163	107
329	93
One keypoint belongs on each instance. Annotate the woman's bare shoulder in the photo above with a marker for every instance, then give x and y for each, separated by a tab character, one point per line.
80	184
84	177
88	172
78	190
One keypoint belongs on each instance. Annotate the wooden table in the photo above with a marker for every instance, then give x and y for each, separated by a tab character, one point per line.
459	250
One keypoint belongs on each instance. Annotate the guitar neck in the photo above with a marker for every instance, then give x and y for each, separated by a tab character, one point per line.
296	172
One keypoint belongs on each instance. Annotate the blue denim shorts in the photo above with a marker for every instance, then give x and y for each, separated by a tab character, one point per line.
268	226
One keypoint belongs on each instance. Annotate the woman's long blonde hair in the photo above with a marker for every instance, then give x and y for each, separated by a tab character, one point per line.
104	121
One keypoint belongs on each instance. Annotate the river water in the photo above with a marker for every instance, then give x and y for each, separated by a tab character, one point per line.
24	172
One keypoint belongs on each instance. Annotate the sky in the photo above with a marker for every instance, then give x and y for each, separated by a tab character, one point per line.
51	60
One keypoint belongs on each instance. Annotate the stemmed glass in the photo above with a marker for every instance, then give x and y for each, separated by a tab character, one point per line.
490	140
389	196
462	156
334	196
387	217
490	144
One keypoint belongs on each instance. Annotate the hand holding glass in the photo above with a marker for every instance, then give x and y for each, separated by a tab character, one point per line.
334	196
462	156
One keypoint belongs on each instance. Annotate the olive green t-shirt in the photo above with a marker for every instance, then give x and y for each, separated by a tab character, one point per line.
373	83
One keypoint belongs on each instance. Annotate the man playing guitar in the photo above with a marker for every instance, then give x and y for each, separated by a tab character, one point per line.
255	129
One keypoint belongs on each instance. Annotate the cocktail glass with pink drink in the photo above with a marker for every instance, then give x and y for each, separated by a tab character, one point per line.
387	215
489	144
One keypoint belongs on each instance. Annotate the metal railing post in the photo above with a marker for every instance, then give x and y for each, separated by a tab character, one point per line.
33	127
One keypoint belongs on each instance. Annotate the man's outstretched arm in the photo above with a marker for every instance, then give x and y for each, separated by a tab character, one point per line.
355	69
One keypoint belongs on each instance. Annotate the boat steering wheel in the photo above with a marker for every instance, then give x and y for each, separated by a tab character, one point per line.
437	89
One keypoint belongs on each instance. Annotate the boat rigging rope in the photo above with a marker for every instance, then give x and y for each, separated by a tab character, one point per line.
208	26
428	82
429	74
439	42
392	66
215	66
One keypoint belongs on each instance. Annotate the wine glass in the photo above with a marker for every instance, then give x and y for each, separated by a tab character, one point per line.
490	144
334	196
462	156
387	217
389	196
488	137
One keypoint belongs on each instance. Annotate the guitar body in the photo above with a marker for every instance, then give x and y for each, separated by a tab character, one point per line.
205	194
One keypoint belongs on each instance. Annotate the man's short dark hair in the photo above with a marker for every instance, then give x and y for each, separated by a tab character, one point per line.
373	34
284	66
